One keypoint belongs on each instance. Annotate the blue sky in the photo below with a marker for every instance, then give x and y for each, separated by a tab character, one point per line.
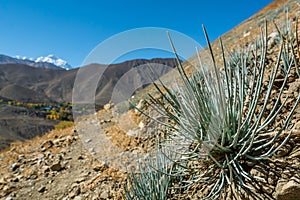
70	29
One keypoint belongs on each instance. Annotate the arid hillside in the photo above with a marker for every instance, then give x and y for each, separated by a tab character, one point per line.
26	92
75	163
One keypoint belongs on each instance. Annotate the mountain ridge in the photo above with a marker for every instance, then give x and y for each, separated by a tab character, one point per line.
23	84
10	60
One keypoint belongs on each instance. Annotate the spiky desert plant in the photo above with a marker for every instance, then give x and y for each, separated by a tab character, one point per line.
221	118
220	122
151	182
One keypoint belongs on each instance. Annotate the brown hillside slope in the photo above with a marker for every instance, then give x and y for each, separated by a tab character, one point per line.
20	82
64	165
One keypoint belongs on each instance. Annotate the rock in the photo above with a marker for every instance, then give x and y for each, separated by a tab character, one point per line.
288	191
141	125
45	169
70	139
40	156
133	132
295	154
15	166
88	140
80	179
86	195
297	126
75	192
16	179
104	195
49	155
46	145
5	188
58	141
284	151
3	181
33	176
100	167
267	188
272	166
78	198
271	181
56	167
97	192
92	151
246	34
21	158
108	106
42	189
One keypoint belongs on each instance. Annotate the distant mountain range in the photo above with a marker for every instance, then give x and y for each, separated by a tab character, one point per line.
26	81
35	82
48	62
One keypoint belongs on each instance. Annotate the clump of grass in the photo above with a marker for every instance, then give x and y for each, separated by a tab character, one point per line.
151	182
218	123
63	124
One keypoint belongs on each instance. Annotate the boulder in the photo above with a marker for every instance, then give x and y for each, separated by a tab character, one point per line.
288	190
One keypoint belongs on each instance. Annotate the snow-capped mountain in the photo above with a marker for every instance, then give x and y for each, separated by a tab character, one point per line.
44	61
54	60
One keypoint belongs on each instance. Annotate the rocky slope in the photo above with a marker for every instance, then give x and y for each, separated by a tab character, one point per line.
74	164
56	166
70	164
